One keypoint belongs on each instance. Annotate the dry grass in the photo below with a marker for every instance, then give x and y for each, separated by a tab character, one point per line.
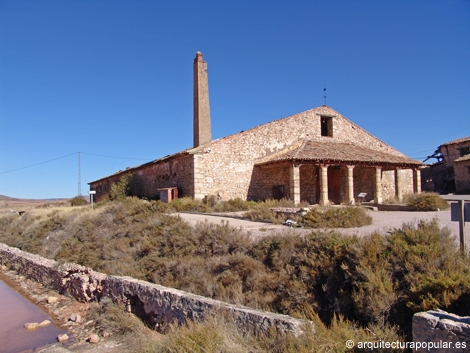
425	201
377	281
428	201
217	335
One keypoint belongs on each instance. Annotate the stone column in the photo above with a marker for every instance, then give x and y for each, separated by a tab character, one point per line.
398	189
417	180
295	183
350	187
324	186
378	185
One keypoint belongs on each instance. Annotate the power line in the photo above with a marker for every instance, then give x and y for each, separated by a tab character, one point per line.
409	154
33	165
68	155
102	155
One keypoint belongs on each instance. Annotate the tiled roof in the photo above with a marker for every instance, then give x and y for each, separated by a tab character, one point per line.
132	169
463	139
463	158
315	150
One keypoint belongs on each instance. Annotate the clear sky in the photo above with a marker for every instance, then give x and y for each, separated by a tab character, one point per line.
113	79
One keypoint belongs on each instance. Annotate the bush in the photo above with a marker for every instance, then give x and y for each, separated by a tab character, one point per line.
337	217
373	281
119	190
427	201
261	212
78	201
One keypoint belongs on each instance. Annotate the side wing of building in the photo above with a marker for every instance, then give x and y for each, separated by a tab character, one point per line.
145	180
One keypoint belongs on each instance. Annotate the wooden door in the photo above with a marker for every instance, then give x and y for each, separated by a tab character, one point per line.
334	185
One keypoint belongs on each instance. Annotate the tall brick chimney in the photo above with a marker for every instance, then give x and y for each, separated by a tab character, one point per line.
202	114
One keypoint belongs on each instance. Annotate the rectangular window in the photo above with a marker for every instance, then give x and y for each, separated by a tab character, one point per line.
326	126
468	170
464	151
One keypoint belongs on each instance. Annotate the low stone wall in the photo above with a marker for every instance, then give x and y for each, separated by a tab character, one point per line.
447	332
153	303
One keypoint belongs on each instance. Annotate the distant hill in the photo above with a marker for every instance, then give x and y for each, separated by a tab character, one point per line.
7	198
16	203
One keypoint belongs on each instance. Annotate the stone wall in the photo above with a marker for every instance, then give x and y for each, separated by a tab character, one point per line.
452	152
265	178
226	167
308	183
175	171
227	163
447	332
364	182
153	303
462	176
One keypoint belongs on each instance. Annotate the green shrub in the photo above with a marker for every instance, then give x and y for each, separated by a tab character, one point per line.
188	204
427	201
119	190
78	201
337	217
261	212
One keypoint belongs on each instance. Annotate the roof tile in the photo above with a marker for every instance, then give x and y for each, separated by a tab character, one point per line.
315	150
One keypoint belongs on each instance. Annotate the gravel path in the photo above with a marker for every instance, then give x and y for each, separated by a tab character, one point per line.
383	221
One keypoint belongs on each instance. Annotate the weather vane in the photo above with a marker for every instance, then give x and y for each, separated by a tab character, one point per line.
324	94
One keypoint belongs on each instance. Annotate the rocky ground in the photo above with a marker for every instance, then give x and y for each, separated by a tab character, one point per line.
68	314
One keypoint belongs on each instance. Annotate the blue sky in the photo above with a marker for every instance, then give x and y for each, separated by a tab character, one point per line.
113	79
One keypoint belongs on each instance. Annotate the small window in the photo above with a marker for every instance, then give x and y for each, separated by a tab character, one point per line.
464	151
326	126
278	192
468	170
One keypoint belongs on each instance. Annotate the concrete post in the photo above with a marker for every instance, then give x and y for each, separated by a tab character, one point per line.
462	227
350	188
378	185
295	184
324	186
417	181
398	189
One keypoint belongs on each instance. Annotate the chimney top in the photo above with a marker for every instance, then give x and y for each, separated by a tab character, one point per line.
198	57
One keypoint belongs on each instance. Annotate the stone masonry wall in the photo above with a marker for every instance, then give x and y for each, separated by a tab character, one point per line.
446	332
264	178
451	152
227	163
462	176
308	183
150	177
154	303
364	182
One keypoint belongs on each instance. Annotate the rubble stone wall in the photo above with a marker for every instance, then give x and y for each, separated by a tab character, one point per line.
154	303
447	332
148	178
452	152
227	163
462	177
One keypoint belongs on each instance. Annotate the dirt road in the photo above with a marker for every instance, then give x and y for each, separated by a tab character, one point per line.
383	221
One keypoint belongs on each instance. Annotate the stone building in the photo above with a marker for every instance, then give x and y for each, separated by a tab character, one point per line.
317	156
456	154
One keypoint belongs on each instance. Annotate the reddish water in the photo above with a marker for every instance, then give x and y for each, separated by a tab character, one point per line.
15	311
